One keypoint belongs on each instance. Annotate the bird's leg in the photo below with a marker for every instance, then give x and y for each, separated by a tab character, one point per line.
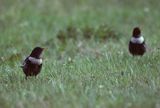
35	76
26	77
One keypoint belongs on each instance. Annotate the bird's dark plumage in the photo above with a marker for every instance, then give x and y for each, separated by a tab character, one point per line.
33	63
137	44
136	32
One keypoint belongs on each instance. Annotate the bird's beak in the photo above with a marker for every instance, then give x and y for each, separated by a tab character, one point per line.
44	48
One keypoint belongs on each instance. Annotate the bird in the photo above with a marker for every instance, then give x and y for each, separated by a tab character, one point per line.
137	45
32	65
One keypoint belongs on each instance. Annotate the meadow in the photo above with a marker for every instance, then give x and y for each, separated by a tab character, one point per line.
87	63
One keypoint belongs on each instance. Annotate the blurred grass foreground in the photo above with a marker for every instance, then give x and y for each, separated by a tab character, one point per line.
87	63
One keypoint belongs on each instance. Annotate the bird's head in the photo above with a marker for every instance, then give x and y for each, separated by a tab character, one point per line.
36	52
136	32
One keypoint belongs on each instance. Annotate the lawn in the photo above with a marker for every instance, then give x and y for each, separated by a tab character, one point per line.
87	63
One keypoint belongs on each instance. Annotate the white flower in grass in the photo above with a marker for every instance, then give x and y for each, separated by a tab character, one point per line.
146	9
101	86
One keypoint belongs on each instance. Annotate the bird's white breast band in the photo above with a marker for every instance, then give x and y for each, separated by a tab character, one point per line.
138	40
35	60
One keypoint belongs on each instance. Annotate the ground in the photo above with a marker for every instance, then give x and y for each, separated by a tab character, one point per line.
86	61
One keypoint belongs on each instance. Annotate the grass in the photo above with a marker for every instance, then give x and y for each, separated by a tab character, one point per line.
87	64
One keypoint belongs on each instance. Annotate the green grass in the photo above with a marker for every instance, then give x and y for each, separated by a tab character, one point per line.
81	72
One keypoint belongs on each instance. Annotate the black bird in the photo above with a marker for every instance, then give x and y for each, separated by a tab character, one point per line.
33	63
137	46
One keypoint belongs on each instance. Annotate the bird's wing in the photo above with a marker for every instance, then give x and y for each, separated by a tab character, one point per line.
24	62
